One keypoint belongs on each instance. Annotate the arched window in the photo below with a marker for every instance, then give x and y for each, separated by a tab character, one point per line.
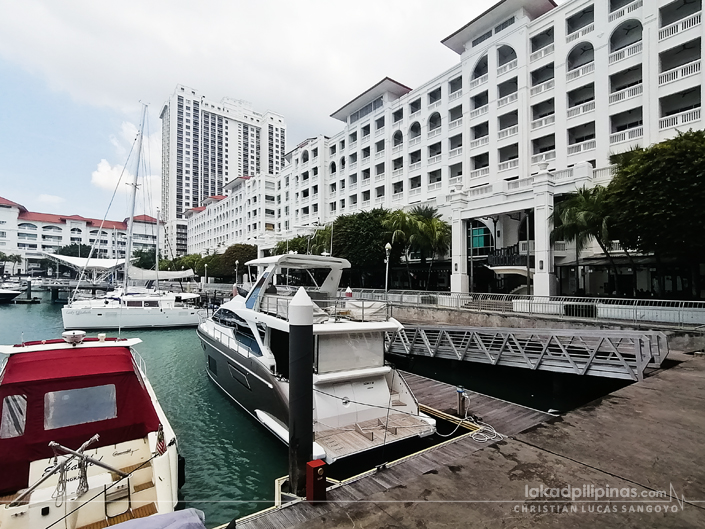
414	130
51	228
480	68
627	33
332	168
581	55
27	226
434	121
304	157
397	138
505	55
342	163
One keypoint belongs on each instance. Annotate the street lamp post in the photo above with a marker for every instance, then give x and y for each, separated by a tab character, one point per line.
237	263
206	282
387	249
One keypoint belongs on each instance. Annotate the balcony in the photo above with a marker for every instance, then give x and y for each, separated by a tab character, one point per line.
680	72
509	164
379	200
583	146
365	139
379	155
543	87
627	93
455	95
629	8
540	54
627	135
522	183
398	197
397	172
509	131
455	152
479	142
435	159
379	132
682	118
397	149
365	204
479	111
543	122
352	165
365	159
511	65
415	191
479	81
414	141
434	105
433	133
455	124
455	181
581	109
379	177
352	146
507	99
680	26
581	33
414	166
435	186
580	72
352	187
477	173
543	156
484	190
625	53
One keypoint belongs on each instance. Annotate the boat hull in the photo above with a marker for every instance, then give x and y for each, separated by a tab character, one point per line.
126	318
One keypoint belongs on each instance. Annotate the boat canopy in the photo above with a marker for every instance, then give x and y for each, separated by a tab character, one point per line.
301	261
152	275
79	263
67	395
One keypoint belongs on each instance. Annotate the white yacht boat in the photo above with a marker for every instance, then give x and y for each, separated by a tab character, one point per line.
7	295
123	309
84	441
360	403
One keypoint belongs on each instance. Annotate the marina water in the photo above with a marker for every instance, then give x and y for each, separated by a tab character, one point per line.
231	460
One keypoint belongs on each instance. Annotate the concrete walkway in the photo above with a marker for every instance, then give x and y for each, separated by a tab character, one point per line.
646	437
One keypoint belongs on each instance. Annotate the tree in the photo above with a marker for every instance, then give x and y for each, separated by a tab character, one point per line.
429	234
658	194
401	227
144	259
583	216
15	259
75	250
237	252
298	244
360	239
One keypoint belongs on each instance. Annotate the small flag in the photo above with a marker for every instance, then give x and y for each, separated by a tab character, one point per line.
161	444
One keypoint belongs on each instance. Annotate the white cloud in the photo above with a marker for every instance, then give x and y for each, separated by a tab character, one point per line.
50	199
302	59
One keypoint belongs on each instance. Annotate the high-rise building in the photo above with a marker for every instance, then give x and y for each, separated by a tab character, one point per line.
206	145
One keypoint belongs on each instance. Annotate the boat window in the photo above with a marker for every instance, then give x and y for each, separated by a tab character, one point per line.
227	317
131	303
254	294
14	416
341	352
151	303
79	406
244	335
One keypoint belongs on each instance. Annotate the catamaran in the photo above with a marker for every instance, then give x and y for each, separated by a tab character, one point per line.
84	441
360	403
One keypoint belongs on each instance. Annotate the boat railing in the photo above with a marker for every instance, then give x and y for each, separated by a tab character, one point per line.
325	308
227	339
141	364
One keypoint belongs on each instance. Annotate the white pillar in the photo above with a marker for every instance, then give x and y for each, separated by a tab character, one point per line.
459	280
544	270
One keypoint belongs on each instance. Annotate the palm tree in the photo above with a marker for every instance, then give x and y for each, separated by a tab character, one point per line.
582	217
402	228
15	259
431	235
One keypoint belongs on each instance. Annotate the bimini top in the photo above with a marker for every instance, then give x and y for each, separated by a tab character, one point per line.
292	260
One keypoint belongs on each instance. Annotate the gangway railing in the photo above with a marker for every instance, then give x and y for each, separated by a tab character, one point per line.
604	353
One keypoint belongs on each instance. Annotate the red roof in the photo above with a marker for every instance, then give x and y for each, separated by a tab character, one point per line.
5	202
145	218
200	208
61	219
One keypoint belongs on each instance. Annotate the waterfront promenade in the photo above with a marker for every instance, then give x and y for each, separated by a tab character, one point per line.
646	437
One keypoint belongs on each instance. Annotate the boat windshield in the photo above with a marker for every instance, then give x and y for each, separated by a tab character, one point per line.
254	293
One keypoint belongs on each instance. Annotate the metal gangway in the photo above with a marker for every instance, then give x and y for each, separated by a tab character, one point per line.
623	354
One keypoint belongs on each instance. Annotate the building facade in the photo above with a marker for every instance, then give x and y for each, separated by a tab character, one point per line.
28	234
541	97
206	145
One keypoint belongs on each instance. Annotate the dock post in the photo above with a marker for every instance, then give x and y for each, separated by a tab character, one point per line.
461	401
300	390
29	289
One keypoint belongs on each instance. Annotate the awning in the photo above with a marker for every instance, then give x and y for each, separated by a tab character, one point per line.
151	275
79	263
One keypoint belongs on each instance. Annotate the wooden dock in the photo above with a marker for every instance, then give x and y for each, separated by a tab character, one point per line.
435	398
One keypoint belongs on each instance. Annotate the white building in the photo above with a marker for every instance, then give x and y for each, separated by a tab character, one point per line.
206	145
29	233
536	84
541	97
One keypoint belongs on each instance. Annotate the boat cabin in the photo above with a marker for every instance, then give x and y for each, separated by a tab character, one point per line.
67	394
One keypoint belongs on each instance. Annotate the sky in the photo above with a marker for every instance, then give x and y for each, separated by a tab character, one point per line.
73	75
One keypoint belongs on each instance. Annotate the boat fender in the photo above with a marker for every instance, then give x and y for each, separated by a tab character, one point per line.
182	470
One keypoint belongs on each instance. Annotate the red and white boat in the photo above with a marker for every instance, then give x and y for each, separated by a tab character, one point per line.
83	440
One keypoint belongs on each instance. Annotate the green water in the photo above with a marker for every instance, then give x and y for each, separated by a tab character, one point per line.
231	460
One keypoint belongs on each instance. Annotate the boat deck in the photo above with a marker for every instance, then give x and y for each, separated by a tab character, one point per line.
365	435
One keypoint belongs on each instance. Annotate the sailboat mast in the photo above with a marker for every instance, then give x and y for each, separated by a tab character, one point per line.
156	249
133	198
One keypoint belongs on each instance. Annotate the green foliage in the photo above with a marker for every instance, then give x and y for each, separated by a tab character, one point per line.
237	252
298	244
145	259
658	197
74	250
